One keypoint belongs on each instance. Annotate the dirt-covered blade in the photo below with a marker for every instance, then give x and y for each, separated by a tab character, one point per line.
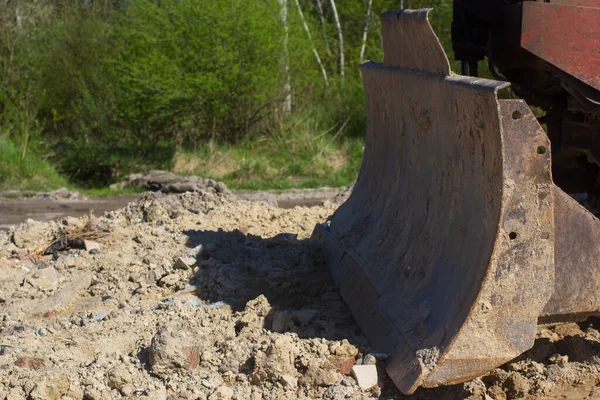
444	251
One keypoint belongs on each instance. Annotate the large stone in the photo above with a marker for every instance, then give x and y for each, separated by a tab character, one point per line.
365	375
44	279
66	299
174	346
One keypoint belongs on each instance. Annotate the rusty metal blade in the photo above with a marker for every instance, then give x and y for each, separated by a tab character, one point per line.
450	221
577	262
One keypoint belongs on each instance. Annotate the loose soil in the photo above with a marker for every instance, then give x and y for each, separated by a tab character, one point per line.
206	296
15	208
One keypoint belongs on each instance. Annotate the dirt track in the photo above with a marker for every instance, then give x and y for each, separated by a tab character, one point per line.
13	211
206	297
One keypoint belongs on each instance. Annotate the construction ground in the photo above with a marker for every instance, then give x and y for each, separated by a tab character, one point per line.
206	295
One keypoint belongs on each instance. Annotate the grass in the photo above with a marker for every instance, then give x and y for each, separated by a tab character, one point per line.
26	173
302	156
295	159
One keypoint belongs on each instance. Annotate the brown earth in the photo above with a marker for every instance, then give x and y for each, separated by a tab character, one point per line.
204	296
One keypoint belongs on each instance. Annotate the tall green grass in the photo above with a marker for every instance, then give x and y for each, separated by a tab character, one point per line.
26	173
300	155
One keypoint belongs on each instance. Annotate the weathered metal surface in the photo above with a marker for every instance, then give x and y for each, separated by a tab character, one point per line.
582	3
502	324
566	36
577	255
450	221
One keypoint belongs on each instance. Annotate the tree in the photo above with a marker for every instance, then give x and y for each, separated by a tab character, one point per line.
315	52
340	35
366	31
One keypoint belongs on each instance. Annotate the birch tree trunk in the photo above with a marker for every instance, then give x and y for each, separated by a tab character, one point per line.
315	52
18	15
366	31
323	25
340	35
287	87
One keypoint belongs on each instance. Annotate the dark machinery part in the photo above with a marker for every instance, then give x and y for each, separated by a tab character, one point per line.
550	52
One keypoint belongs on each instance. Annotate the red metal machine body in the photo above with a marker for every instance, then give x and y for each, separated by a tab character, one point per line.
550	53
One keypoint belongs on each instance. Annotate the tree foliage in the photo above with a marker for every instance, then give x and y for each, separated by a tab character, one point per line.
114	85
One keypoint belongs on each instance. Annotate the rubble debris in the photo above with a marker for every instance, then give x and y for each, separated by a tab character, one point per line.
184	262
169	182
256	317
365	375
91	246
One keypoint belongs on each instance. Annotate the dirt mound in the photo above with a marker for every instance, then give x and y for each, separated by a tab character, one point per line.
202	296
63	194
168	182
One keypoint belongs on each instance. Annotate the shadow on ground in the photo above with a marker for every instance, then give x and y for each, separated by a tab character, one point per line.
235	268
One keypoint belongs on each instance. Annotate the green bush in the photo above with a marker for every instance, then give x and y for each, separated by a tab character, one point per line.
194	70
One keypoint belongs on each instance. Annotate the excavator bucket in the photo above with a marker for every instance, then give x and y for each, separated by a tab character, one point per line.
455	243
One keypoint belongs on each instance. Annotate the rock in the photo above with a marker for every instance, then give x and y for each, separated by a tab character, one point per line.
559	360
516	386
117	378
537	368
50	389
64	194
365	375
289	381
91	246
496	393
369	360
348	381
30	363
343	364
92	394
64	301
222	393
196	251
174	346
127	390
184	263
276	362
14	394
281	320
220	187
259	306
158	394
168	182
343	349
31	235
213	381
44	279
100	316
320	375
169	280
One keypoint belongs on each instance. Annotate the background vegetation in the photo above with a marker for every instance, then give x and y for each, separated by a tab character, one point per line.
258	93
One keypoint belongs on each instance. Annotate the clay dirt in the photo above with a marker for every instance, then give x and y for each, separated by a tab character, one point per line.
205	296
